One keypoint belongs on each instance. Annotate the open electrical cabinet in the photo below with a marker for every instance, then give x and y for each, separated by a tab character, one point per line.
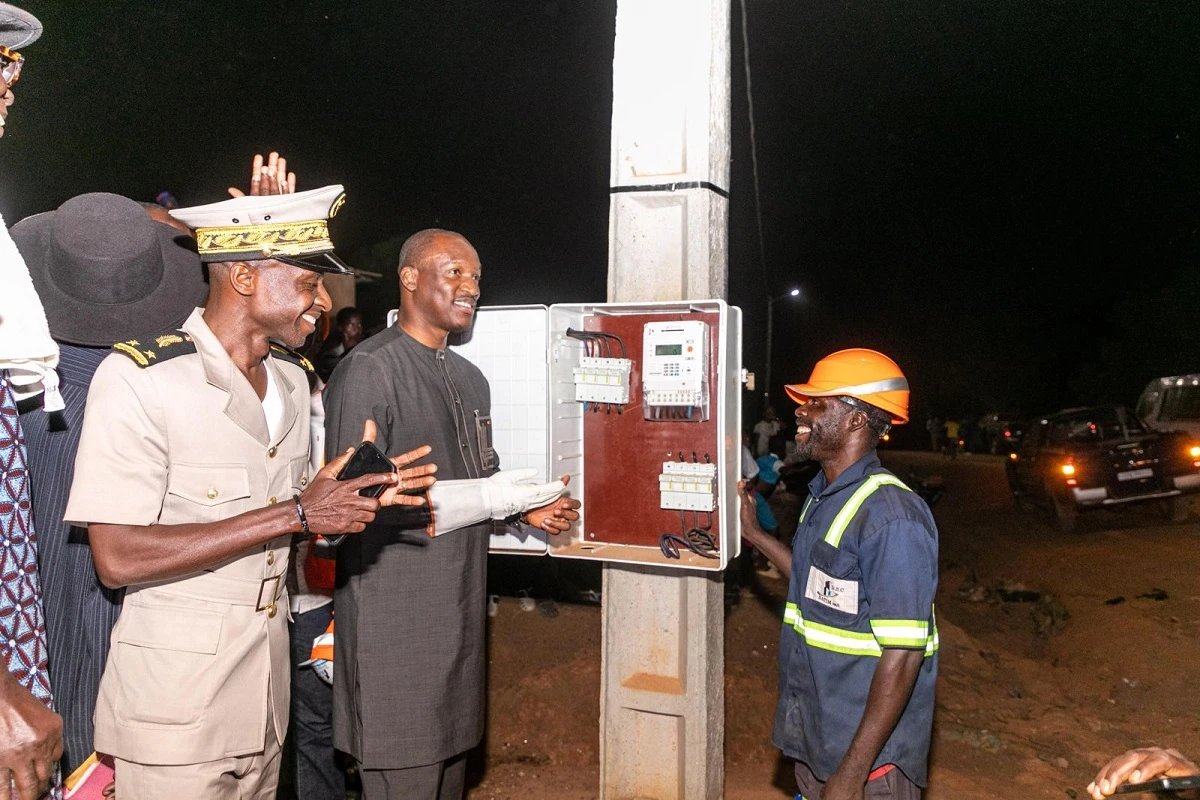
640	404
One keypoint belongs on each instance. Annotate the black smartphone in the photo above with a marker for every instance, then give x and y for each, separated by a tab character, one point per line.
367	460
1161	785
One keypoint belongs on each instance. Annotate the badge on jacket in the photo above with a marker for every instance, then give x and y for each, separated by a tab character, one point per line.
840	595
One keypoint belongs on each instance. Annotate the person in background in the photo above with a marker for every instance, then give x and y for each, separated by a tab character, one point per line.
950	432
347	332
311	575
769	467
30	730
764	429
933	427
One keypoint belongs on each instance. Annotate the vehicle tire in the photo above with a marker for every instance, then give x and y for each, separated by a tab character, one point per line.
1020	499
1179	508
1066	516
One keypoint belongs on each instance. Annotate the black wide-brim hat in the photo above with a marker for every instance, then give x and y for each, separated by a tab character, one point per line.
106	272
17	27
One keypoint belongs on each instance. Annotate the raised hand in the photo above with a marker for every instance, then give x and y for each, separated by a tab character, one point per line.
269	177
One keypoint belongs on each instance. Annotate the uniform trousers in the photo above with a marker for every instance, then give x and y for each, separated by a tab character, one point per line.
894	785
250	777
445	780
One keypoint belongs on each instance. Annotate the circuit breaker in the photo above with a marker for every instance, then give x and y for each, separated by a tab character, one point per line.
640	404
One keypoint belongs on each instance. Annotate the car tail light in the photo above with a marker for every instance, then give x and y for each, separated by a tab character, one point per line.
1193	452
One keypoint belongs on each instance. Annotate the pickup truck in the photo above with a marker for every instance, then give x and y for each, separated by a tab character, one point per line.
1086	458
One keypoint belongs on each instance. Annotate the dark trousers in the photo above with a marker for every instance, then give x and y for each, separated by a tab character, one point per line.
318	776
445	780
893	786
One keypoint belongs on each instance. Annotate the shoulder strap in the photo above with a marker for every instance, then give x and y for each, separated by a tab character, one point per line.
288	354
149	350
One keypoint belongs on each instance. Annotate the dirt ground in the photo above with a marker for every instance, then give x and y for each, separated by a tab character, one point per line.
1057	652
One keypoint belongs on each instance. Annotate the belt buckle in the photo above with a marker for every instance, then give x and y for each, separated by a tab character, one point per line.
274	595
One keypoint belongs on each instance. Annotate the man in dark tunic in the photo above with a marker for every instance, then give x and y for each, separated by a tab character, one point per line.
409	675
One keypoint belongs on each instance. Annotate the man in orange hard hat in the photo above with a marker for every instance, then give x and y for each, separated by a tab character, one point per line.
858	650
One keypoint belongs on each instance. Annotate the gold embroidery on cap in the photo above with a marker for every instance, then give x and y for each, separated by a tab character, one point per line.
301	237
337	205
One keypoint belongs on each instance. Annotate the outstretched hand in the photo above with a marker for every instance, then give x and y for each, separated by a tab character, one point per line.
332	506
1141	764
556	516
271	177
408	479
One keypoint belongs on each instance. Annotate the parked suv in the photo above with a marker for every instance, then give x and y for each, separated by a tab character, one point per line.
1085	458
1172	404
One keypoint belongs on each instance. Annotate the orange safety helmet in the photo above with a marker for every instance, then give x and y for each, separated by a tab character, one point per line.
865	374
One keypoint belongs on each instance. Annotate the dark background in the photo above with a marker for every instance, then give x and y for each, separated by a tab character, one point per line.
1002	196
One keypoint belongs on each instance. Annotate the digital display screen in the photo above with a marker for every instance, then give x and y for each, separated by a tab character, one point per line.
668	350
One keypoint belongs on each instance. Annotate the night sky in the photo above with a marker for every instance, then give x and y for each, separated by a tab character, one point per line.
1004	196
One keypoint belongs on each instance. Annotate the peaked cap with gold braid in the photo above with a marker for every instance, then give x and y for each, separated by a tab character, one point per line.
293	228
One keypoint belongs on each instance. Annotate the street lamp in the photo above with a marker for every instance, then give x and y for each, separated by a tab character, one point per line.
793	292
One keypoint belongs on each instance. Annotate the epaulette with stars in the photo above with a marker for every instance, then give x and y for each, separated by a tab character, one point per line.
288	354
156	349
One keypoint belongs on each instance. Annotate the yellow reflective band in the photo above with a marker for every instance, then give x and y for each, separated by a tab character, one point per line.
855	643
840	640
900	632
842	521
804	510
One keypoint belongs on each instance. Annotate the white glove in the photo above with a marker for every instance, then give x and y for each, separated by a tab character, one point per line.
457	504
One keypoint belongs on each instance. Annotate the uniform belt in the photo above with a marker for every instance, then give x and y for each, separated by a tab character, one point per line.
214	587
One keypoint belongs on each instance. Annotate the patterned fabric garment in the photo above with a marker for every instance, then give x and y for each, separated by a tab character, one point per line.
22	626
80	611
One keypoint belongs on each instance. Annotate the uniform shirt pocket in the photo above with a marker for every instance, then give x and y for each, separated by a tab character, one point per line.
833	582
298	473
202	492
165	658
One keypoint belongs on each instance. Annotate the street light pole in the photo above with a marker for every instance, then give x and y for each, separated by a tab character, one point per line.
771	301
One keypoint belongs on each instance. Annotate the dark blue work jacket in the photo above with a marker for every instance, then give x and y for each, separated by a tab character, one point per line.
864	575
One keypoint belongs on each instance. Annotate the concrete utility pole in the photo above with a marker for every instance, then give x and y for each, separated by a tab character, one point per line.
662	697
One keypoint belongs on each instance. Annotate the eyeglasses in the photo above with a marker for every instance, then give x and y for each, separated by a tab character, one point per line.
10	65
